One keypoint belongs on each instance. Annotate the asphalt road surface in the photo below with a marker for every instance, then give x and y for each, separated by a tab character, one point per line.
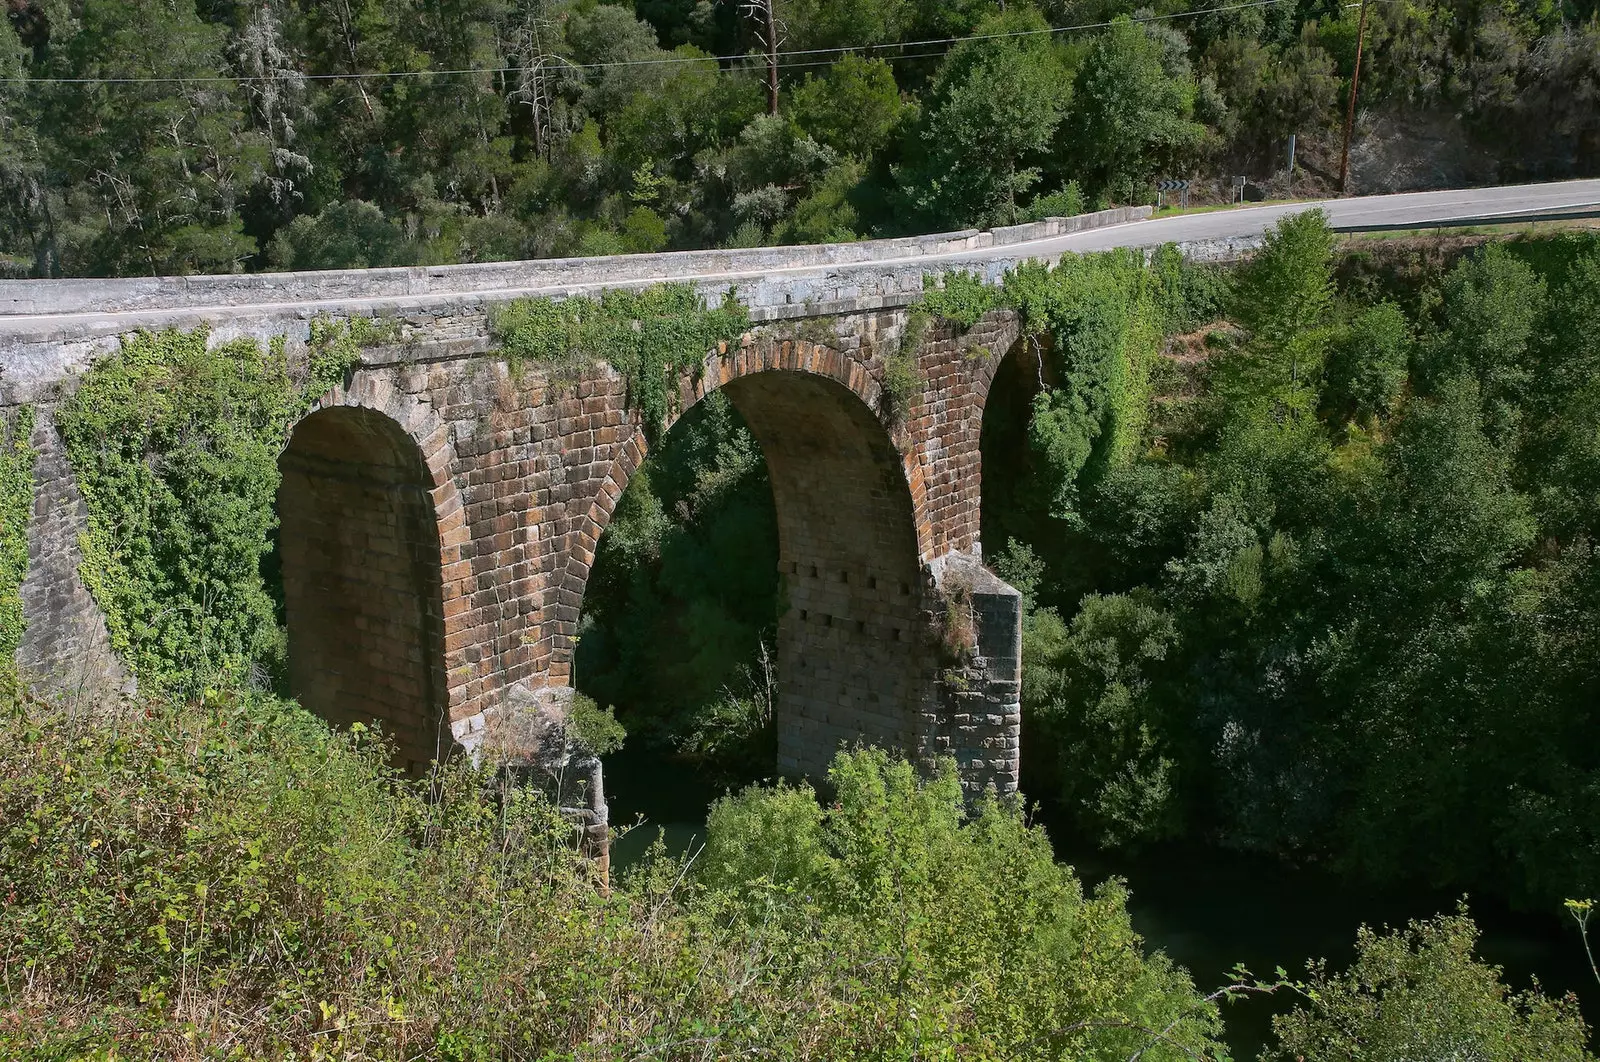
1413	210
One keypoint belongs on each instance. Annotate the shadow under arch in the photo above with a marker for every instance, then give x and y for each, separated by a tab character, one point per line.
360	548
1006	508
854	662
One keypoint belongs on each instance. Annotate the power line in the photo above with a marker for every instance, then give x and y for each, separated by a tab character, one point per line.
672	60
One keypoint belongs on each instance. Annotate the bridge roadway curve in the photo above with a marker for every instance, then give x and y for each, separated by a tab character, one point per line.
1411	210
38	312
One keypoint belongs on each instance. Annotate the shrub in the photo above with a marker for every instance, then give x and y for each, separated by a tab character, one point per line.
956	929
229	878
1419	993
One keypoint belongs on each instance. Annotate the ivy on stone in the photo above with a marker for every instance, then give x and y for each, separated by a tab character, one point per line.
16	502
651	337
960	297
175	449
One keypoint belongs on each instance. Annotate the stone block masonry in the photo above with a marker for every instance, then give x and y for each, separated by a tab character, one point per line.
440	516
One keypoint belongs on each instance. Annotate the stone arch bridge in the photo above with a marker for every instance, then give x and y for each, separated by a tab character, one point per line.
439	516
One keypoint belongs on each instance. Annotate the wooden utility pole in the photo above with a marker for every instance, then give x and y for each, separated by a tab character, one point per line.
768	32
1350	112
772	60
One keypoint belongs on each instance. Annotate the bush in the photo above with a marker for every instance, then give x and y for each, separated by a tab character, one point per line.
956	930
229	878
1420	994
348	235
1087	691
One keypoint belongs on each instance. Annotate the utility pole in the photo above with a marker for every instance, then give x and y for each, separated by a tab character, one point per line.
1350	112
769	29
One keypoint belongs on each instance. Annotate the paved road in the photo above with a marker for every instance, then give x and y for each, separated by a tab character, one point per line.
1419	210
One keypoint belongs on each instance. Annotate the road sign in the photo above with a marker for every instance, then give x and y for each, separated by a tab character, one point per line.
1172	186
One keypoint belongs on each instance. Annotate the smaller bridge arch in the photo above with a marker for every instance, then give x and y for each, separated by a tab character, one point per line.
370	538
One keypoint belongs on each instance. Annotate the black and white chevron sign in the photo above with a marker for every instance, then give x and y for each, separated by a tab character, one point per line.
1172	186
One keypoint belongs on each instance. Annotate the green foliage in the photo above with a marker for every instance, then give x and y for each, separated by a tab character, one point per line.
854	108
1066	203
594	729
1283	299
16	506
959	297
1371	572
902	370
1132	114
1369	362
348	235
1088	688
652	337
990	117
149	139
945	918
1101	316
1420	993
1493	305
175	447
229	877
1189	294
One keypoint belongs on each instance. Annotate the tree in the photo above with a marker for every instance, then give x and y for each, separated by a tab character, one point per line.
1089	688
993	110
945	918
25	243
352	235
1132	117
1283	298
1493	307
165	165
1368	363
853	108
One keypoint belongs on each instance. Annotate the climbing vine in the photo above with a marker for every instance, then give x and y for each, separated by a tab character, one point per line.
960	297
16	501
175	449
651	337
1101	315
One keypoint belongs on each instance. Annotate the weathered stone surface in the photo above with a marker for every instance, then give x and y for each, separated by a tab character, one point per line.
65	647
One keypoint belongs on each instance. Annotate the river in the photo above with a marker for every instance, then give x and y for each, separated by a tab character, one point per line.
1206	908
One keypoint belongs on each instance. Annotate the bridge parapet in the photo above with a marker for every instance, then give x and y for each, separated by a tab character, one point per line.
507	279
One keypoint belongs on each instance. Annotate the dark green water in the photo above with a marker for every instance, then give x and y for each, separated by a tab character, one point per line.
1207	909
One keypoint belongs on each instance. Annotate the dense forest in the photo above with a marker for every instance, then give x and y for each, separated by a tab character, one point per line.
153	137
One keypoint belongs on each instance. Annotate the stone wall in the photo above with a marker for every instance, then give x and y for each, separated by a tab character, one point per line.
504	279
65	646
851	627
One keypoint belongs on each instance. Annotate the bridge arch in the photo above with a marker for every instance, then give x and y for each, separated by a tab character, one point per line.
371	530
854	657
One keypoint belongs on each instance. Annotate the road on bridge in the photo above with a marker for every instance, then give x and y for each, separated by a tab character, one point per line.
1414	210
1411	210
